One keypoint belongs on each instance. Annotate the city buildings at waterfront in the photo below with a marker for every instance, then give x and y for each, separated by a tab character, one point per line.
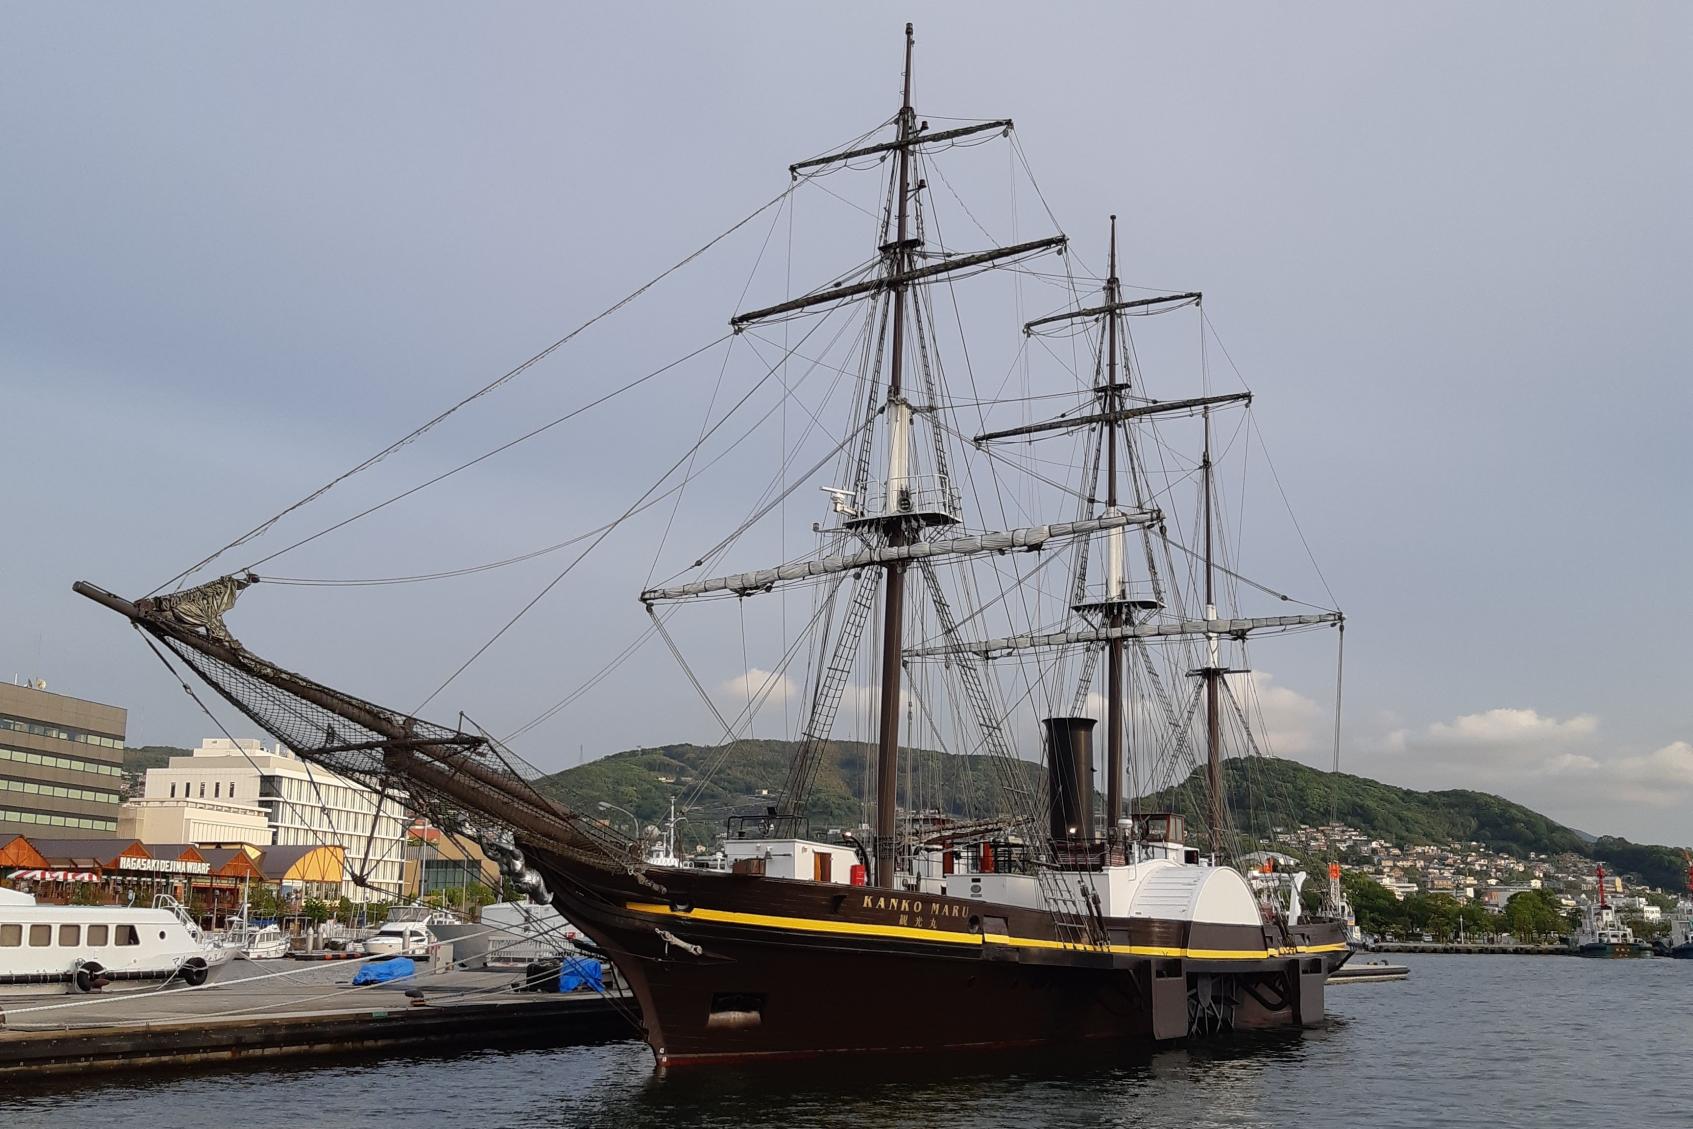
227	792
61	763
438	862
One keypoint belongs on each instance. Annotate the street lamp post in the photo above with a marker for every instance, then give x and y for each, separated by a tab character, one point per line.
633	820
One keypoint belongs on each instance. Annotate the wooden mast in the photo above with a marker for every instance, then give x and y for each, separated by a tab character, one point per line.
1212	670
893	590
1116	597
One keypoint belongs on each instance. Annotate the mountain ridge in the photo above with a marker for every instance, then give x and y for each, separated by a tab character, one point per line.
1263	793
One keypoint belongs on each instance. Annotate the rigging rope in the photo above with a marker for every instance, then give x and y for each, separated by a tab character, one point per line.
358	877
508	376
526	436
633	509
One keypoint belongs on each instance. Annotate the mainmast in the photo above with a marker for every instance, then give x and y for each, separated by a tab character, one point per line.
1116	586
1212	671
898	260
887	535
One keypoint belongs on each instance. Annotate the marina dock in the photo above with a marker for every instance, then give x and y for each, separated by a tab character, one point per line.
1471	949
1369	971
318	1014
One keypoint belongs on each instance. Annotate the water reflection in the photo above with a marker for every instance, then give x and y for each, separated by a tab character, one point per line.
1509	1038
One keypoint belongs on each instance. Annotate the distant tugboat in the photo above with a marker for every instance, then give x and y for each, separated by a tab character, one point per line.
1681	921
1602	933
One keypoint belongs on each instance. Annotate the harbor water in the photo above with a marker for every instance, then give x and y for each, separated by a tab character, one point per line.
1493	1040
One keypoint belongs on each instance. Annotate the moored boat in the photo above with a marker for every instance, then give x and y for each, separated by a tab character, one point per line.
1602	933
54	948
1680	942
263	942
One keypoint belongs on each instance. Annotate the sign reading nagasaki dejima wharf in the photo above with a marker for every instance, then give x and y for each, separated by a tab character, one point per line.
163	866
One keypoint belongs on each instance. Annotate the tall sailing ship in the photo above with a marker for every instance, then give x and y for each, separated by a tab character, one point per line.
1042	924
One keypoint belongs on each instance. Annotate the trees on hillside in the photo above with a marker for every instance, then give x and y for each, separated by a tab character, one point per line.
1535	915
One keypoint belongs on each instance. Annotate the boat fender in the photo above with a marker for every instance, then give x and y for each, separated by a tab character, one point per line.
87	976
194	972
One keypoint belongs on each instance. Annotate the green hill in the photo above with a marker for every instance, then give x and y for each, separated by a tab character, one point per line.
745	777
1267	792
1263	793
139	758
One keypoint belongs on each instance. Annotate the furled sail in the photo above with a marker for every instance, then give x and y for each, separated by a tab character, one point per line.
1192	628
454	777
1028	538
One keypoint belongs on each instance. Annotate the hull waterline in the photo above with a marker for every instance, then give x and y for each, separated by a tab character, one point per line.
732	968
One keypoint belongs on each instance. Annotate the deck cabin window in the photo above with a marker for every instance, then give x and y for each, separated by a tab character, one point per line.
217	786
127	935
11	936
70	936
98	935
173	791
40	936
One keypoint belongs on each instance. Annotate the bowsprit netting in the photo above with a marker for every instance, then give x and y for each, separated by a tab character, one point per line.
460	780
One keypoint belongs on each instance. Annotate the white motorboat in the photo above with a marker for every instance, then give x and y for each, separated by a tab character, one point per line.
51	948
264	942
406	933
254	942
396	939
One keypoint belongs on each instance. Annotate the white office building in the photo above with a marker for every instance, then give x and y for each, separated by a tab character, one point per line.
304	806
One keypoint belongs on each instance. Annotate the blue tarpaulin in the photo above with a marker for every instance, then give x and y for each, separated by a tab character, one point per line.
383	971
576	973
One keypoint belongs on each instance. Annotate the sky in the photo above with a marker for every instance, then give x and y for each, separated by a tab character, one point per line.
1446	245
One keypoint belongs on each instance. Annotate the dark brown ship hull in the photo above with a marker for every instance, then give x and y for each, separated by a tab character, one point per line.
733	968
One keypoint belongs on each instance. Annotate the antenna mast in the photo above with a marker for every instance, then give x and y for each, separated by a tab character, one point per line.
898	260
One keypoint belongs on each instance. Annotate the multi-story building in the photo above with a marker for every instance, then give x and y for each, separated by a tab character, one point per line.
194	821
61	763
304	805
438	862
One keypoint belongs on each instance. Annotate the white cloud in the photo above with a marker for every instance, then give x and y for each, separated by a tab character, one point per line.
1506	739
1509	727
758	686
1292	724
1662	778
1558	765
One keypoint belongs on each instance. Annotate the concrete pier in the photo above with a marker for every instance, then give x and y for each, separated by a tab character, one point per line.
1471	949
315	1014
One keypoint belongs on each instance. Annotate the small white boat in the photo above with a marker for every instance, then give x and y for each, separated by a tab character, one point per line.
267	942
396	939
250	942
50	948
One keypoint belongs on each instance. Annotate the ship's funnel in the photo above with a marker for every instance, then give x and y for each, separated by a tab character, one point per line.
1069	777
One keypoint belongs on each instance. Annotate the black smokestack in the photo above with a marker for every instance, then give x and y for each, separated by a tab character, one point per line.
1069	776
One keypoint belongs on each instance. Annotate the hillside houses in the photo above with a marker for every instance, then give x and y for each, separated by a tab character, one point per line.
1466	871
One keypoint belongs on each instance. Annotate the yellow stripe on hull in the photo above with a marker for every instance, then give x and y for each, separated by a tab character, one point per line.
907	933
